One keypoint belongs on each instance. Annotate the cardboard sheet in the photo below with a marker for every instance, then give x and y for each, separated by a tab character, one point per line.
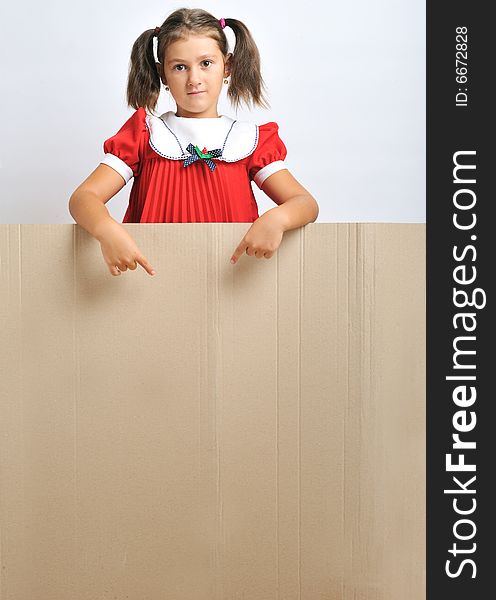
214	432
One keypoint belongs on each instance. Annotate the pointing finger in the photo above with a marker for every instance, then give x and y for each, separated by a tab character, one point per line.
145	264
241	248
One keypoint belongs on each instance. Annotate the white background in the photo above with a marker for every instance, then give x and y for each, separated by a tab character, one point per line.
346	84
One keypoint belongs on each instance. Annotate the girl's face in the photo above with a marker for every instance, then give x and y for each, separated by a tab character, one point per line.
194	69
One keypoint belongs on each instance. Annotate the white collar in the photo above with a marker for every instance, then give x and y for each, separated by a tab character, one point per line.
170	136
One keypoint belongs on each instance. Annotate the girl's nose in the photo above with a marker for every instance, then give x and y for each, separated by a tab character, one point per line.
194	77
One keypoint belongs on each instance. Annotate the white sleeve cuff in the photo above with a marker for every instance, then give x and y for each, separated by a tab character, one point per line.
268	170
118	165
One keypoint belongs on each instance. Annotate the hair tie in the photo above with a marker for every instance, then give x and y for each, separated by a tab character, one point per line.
222	22
155	44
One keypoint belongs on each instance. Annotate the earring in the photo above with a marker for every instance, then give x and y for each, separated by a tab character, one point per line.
166	88
226	81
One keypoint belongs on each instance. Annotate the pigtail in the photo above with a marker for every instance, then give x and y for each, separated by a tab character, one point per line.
143	85
247	84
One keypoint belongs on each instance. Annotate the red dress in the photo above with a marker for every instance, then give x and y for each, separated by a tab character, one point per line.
176	183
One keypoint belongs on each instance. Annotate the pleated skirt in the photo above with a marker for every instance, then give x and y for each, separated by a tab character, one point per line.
167	192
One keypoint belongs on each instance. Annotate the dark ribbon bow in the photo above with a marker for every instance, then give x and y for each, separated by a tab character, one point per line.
205	155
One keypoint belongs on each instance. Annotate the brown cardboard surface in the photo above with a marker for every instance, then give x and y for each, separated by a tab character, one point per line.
214	432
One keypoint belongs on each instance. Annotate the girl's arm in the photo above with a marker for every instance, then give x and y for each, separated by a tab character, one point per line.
87	208
296	207
87	203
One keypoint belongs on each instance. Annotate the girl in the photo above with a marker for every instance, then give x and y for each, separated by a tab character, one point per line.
192	165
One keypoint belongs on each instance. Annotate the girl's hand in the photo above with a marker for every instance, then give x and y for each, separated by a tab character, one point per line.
263	238
120	250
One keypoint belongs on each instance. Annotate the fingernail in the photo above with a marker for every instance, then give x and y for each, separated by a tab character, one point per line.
232	260
153	272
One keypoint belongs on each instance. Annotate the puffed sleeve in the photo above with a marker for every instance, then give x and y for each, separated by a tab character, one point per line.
268	157
122	150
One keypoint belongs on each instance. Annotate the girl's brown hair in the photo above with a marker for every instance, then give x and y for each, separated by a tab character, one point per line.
247	85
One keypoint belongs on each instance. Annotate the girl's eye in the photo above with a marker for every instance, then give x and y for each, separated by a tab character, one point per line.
177	67
207	61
